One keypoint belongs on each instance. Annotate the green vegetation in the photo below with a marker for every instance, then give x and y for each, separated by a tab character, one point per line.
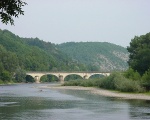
116	81
139	59
135	79
139	50
10	9
18	55
99	56
49	78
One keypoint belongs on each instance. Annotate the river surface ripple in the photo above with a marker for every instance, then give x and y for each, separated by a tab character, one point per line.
28	102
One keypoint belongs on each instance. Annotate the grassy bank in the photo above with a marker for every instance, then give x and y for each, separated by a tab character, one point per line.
6	82
115	81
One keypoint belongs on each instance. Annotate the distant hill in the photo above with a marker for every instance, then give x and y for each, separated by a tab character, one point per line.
18	55
32	54
99	56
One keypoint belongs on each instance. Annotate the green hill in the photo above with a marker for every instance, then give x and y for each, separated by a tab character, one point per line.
33	54
18	55
99	56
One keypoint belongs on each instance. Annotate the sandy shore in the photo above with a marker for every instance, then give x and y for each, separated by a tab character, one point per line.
103	92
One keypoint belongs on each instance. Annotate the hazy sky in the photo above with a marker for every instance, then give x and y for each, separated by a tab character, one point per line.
58	21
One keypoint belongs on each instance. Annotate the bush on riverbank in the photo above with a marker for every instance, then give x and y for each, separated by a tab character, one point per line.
6	82
146	80
81	82
1	82
116	81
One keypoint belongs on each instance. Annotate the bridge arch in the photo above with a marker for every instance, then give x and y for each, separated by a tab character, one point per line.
52	74
73	76
96	75
29	78
49	78
36	76
91	74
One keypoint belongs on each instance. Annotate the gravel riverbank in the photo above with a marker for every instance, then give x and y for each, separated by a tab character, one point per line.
103	92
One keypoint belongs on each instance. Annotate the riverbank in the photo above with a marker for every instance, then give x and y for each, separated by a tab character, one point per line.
98	91
7	83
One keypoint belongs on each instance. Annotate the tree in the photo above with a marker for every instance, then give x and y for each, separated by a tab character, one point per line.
131	74
139	49
146	79
20	75
5	75
10	9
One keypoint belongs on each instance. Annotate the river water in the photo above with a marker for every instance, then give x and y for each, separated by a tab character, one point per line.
28	102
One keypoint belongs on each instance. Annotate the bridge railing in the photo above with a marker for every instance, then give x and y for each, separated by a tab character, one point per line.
68	72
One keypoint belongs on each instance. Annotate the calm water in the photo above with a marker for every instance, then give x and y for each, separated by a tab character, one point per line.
27	102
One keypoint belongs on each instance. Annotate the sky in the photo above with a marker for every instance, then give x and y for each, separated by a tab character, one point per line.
59	21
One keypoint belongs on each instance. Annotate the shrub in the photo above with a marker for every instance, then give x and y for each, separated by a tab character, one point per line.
129	86
72	83
5	76
81	82
116	81
109	82
131	74
120	83
146	80
88	83
1	82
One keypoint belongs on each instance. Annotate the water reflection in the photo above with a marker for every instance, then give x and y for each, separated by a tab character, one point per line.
139	109
26	102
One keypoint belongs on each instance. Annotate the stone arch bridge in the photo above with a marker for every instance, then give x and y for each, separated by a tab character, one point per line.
61	75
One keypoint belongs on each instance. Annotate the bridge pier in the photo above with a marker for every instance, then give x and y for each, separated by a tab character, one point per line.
61	78
37	79
86	77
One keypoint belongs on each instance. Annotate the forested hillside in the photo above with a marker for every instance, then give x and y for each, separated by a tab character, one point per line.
18	55
99	56
28	54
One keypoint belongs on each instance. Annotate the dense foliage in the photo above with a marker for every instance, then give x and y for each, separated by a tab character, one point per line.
136	78
139	59
116	81
10	9
99	56
139	50
18	55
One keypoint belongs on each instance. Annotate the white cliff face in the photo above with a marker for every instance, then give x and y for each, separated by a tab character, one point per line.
100	55
106	64
121	55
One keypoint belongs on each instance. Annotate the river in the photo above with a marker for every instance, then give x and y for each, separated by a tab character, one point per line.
28	102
